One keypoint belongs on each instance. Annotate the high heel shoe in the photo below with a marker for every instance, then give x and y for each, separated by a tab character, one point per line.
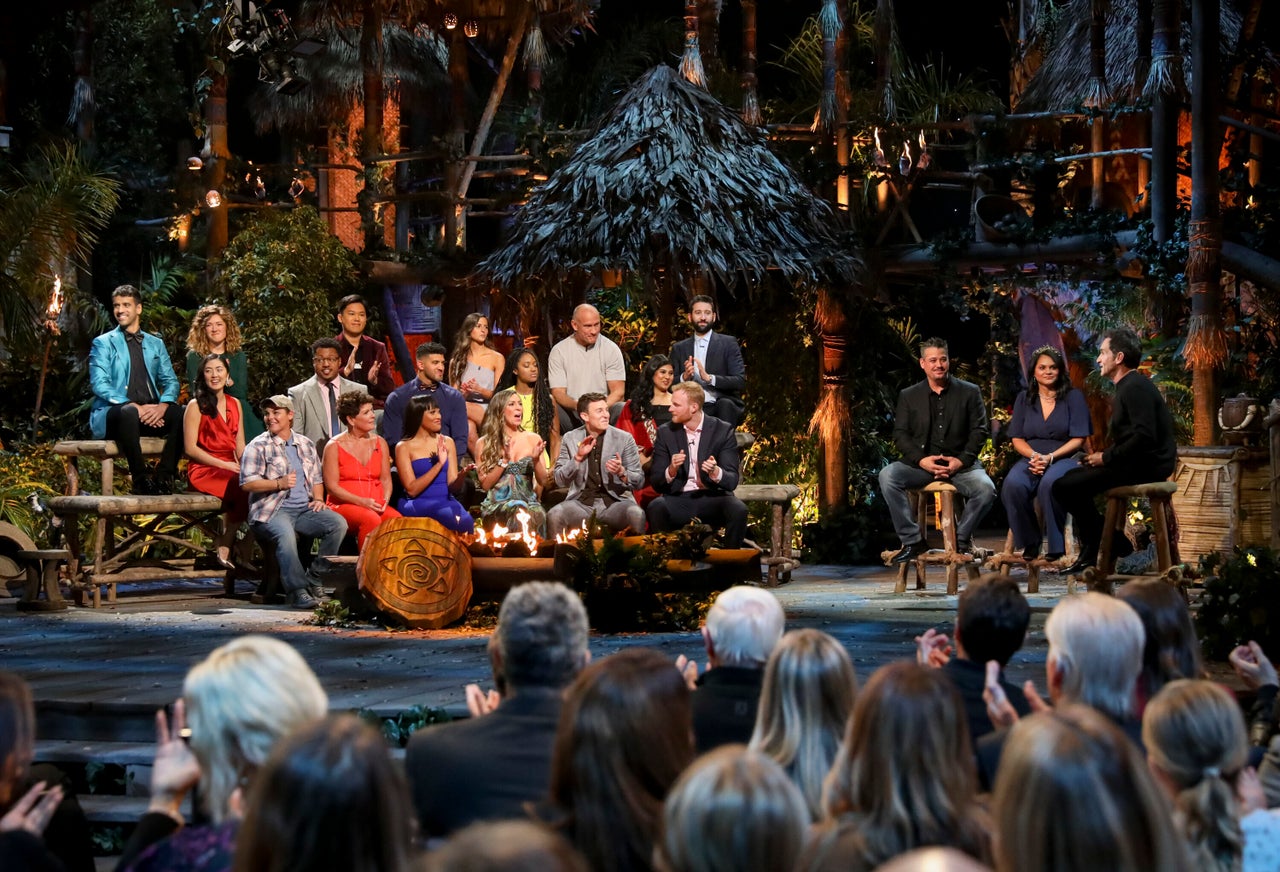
222	556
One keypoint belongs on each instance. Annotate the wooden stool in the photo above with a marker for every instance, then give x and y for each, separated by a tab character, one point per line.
42	571
1160	495
1007	558
947	523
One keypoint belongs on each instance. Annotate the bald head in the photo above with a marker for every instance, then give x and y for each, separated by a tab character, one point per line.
586	324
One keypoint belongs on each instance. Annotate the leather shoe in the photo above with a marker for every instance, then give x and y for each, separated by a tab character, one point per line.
1031	552
964	546
910	552
1079	566
1054	556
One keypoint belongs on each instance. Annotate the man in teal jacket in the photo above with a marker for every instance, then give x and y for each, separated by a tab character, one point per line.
135	393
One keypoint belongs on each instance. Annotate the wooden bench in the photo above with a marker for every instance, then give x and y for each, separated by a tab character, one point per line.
104	450
779	496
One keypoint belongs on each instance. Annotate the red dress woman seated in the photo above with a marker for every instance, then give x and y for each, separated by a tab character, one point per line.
213	436
648	409
357	468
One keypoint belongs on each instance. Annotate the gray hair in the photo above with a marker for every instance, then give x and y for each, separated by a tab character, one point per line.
744	626
1095	644
241	700
541	636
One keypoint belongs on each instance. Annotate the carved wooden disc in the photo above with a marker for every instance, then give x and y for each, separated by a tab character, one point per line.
418	569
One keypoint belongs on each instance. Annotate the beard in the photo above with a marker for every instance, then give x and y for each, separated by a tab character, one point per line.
702	329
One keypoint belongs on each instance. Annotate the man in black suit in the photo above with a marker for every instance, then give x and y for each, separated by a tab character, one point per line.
940	425
1143	447
712	360
488	767
695	469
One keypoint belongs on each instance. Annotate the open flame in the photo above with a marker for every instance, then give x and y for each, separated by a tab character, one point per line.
500	536
925	159
54	309
904	162
878	154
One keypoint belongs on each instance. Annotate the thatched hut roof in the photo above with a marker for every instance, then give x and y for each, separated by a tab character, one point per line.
672	178
1063	80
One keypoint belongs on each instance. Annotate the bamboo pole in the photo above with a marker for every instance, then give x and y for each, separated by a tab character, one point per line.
495	97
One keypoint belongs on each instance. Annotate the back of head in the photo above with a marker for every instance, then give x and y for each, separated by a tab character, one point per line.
743	626
241	700
890	772
991	619
17	734
1171	650
933	860
732	809
805	702
329	797
541	638
1073	793
625	735
1195	737
1095	644
504	846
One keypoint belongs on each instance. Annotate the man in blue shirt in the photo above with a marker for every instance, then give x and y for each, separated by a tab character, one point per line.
430	383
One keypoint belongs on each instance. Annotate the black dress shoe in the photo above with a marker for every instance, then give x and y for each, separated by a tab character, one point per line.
1031	552
910	552
1079	566
964	546
1054	556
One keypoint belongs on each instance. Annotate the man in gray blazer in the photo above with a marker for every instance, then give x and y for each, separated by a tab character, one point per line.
601	466
315	401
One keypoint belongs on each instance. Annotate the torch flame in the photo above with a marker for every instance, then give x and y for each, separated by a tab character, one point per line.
56	300
878	155
925	158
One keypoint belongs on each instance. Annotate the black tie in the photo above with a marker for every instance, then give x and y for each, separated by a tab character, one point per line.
334	424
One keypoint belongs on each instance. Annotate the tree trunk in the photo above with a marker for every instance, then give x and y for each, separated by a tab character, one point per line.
750	97
843	97
455	228
709	33
885	38
833	417
216	155
371	60
495	99
83	108
1206	349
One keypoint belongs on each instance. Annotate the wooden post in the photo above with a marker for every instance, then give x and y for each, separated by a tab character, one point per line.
495	98
371	61
832	418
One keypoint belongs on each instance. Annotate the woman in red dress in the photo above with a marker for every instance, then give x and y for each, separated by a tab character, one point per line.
213	433
357	468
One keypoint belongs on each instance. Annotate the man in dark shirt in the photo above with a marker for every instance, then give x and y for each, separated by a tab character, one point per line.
429	383
1142	449
991	624
940	425
488	767
364	359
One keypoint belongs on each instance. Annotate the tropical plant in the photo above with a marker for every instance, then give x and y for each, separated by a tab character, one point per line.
1241	601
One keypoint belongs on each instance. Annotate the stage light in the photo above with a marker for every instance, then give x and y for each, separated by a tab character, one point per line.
471	28
450	21
213	199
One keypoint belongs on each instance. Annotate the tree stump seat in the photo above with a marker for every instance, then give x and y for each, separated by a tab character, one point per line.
780	497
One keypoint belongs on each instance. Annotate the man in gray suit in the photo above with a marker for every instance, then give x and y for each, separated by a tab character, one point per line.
600	465
315	401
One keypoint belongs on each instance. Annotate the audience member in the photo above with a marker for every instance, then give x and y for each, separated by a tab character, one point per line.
505	846
648	409
474	369
315	400
695	470
357	468
904	777
1142	444
1198	750
805	702
742	628
135	393
430	383
1049	425
939	426
529	380
41	823
600	465
240	701
329	797
282	473
1258	675
364	359
992	617
585	362
714	361
933	860
428	465
1172	650
214	331
1095	658
623	740
509	464
1073	794
732	809
491	766
213	435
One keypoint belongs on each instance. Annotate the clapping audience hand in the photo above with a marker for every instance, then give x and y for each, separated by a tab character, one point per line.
1001	711
1251	664
175	770
933	649
689	669
373	372
33	811
480	703
1249	792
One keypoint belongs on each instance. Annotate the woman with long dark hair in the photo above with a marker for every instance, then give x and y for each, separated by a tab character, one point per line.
474	368
528	378
648	409
1171	650
213	437
1049	425
428	465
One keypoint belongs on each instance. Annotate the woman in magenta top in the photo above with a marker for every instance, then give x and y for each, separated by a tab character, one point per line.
213	436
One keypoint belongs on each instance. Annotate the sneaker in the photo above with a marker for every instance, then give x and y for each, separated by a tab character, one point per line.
316	589
301	599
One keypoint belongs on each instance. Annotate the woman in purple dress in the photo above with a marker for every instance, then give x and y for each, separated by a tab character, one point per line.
1049	425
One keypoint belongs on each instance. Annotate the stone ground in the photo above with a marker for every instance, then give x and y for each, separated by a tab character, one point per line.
135	654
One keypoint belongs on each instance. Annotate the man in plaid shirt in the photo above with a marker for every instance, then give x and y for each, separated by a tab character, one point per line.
281	472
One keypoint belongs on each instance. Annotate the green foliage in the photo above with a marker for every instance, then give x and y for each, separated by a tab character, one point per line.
399	728
1241	601
283	272
628	311
26	470
331	614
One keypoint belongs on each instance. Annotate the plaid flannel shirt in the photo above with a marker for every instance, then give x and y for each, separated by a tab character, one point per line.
266	458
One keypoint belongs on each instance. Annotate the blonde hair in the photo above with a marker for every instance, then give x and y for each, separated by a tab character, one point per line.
693	391
1074	793
1195	735
732	809
198	342
1095	644
808	692
491	430
241	700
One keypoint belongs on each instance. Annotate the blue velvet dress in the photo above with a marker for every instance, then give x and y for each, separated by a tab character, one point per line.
436	501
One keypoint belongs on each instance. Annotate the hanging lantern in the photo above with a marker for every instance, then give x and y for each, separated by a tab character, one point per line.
450	20
471	28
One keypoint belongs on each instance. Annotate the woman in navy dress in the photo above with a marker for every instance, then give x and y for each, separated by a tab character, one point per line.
1049	425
